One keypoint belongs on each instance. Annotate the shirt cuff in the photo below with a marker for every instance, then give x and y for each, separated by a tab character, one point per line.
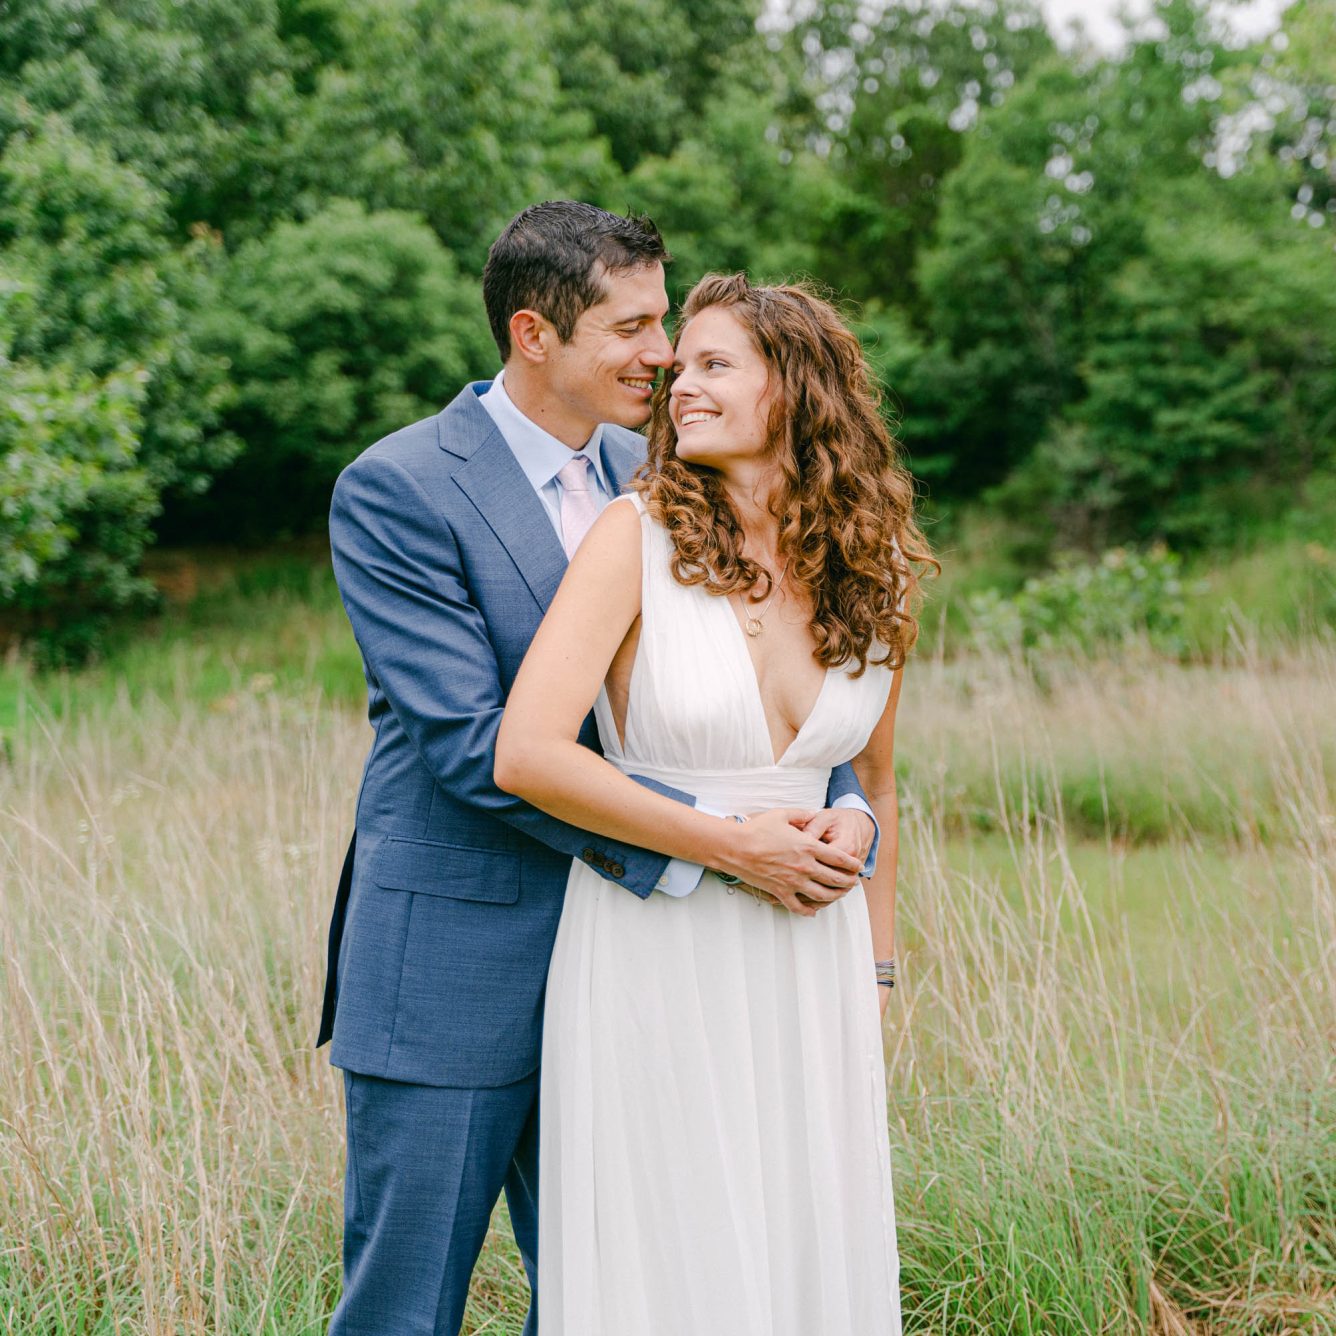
857	803
680	877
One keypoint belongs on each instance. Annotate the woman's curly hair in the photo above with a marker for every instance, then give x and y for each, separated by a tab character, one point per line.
845	504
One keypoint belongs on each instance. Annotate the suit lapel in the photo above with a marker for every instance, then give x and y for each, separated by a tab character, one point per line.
493	481
619	462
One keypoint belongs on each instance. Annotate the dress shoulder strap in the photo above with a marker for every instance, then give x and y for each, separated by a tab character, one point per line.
632	498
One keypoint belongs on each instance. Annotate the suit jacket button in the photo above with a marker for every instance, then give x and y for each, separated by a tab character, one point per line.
589	855
617	870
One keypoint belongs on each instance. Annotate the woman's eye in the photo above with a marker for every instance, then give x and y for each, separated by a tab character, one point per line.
714	362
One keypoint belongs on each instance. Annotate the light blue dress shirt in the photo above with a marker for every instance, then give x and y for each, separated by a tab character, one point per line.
542	457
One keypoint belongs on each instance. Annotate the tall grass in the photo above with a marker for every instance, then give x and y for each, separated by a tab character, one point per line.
1112	1107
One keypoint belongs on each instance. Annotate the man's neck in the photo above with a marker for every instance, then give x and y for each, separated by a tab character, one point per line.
544	408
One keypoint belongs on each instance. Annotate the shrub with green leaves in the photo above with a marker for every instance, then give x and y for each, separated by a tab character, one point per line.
1209	388
106	401
105	288
75	506
1090	605
339	330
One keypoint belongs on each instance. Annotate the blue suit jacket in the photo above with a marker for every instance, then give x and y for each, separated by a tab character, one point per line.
451	890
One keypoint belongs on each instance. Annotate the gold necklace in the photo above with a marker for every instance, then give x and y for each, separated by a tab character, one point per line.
754	625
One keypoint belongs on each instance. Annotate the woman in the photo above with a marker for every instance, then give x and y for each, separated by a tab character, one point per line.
714	1155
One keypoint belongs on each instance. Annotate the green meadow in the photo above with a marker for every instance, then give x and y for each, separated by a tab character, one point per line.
1110	1062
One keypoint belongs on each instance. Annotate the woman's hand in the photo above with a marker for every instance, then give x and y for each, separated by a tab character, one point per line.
774	853
846	828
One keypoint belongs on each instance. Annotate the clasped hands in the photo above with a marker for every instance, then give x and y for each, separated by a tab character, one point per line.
799	859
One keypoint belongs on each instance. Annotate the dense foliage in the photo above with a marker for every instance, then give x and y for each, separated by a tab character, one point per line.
238	242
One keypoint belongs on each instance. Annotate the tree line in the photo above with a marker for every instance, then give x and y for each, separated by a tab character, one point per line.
240	241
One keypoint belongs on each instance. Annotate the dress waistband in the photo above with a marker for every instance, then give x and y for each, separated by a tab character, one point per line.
743	791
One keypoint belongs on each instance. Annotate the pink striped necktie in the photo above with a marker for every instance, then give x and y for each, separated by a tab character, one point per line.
579	506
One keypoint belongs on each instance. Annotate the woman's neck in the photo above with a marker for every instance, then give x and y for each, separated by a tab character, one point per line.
751	499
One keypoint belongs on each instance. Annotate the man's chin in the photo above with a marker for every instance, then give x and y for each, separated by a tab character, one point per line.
633	417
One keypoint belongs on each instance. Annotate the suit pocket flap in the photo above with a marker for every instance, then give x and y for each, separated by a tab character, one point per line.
428	868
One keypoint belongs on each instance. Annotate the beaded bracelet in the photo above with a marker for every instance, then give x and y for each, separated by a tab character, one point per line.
885	972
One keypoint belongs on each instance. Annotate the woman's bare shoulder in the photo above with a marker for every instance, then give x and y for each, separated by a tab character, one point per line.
609	555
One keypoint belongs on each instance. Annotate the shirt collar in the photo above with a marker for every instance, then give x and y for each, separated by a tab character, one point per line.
539	453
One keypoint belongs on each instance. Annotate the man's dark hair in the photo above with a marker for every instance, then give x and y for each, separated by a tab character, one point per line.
551	258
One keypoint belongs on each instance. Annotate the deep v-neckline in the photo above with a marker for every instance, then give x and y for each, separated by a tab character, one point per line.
750	665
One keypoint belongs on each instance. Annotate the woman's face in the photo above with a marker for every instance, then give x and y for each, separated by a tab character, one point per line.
721	397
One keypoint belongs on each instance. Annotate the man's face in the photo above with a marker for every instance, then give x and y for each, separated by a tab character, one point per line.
606	372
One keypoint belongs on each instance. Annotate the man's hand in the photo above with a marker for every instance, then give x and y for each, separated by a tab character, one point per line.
774	853
847	828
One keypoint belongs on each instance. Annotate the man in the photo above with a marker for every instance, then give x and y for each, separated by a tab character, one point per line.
449	539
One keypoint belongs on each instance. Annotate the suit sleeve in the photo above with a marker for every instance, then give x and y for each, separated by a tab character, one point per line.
844	785
426	644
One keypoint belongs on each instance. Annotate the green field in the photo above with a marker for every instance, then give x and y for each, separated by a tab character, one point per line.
1111	1064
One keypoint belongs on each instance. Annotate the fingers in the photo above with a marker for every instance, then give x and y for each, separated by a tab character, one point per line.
781	898
795	904
821	825
817	894
838	860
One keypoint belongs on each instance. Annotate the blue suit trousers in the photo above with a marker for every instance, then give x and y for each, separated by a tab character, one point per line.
426	1165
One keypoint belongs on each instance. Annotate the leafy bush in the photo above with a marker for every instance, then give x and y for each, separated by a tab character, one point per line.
105	400
1209	387
1087	606
75	505
338	330
203	99
105	289
452	111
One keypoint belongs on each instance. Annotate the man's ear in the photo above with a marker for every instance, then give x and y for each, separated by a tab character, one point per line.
531	336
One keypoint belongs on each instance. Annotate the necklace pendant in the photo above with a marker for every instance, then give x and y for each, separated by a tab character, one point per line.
754	626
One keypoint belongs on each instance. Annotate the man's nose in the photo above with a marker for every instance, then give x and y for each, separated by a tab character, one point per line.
660	351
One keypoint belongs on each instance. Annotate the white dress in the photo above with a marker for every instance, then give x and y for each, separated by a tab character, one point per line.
714	1157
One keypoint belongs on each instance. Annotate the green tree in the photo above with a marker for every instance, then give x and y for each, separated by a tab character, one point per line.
733	195
450	110
1049	202
200	98
1281	103
75	501
1210	385
896	94
649	70
338	330
107	291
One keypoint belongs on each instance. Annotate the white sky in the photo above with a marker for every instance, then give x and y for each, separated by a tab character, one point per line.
1250	19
